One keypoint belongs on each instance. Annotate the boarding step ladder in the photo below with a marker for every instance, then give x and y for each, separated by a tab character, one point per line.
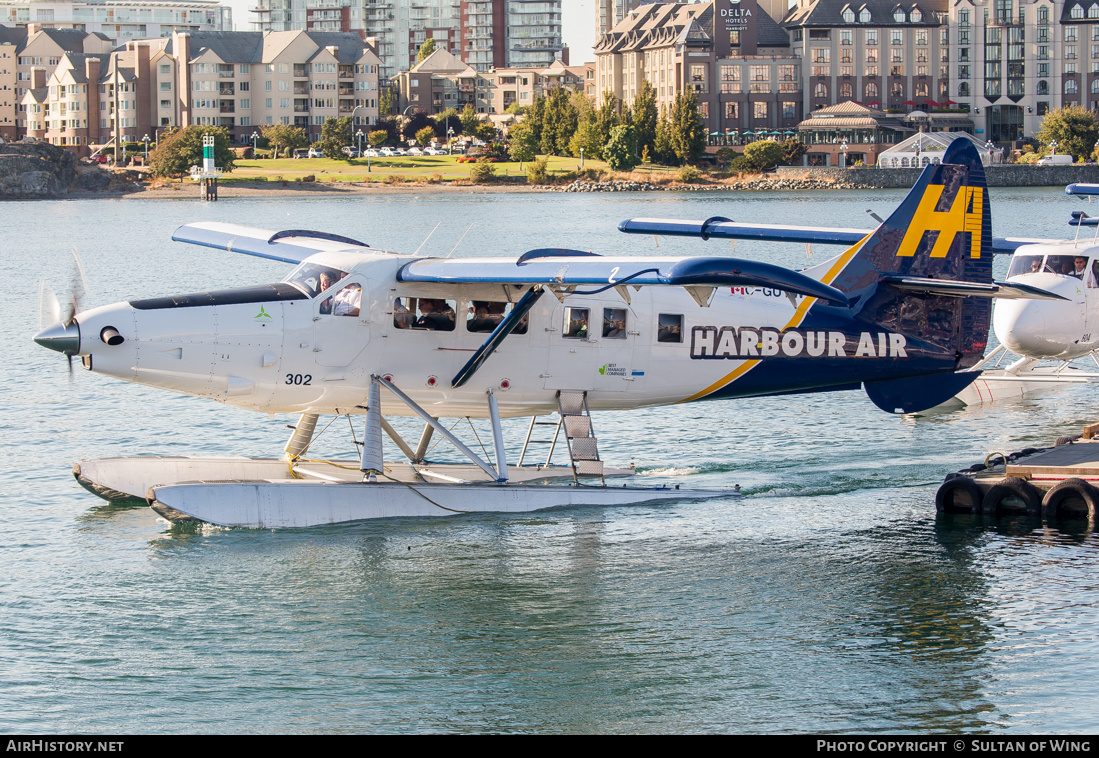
582	442
551	442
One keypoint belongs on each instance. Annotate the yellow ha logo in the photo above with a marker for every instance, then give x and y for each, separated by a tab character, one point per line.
965	215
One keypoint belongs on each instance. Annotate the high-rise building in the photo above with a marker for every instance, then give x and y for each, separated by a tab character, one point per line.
120	19
482	33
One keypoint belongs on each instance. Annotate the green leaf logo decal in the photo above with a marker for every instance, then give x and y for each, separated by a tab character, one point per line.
262	313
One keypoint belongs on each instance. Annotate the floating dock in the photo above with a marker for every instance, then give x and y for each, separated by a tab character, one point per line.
1054	483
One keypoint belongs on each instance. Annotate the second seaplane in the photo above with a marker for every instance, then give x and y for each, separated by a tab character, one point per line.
352	331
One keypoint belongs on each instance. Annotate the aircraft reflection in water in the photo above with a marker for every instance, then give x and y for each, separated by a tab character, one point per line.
904	313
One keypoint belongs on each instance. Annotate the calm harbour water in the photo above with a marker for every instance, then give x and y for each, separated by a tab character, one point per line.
829	599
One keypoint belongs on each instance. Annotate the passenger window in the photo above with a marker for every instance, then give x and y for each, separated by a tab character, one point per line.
345	302
576	324
614	323
484	316
669	328
430	314
1093	280
1060	264
403	318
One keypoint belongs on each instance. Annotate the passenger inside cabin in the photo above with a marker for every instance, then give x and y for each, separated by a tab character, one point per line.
402	317
435	315
576	323
485	316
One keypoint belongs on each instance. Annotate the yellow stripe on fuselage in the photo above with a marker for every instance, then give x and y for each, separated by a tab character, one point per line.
795	320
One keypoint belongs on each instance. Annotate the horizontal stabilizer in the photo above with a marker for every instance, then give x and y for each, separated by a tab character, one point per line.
292	246
814	235
605	273
1082	188
1004	290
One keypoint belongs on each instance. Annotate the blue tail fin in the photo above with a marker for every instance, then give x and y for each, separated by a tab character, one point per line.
941	233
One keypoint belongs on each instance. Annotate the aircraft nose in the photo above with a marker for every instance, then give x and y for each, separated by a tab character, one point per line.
62	337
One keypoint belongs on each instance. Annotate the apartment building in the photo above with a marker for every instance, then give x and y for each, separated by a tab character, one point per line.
609	12
483	33
508	86
120	19
512	34
733	53
43	48
10	40
77	102
237	80
441	81
398	27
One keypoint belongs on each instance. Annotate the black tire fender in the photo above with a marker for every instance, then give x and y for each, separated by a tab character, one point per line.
1058	493
1012	487
945	498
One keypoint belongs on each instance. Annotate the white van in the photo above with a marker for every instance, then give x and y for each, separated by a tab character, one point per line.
1056	160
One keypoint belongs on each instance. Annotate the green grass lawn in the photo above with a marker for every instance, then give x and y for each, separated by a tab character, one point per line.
411	168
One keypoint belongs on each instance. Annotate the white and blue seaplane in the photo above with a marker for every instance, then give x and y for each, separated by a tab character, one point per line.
903	312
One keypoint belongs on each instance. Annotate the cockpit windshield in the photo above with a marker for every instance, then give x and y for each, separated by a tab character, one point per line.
1066	265
313	278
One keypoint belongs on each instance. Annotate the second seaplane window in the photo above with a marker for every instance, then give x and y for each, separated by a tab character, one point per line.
669	327
484	316
424	313
614	323
576	324
345	302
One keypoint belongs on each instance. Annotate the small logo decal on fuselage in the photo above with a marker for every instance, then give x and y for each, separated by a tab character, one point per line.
262	313
710	342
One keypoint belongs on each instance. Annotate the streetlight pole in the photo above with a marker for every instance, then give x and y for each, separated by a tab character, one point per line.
145	139
359	134
1053	147
449	137
843	149
581	159
255	140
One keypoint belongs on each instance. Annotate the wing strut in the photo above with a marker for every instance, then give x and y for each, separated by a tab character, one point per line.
503	329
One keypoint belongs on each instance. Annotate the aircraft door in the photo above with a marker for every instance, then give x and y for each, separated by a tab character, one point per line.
1091	304
591	346
341	321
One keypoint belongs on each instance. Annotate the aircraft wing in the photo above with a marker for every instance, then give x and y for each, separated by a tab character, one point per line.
723	228
291	246
564	270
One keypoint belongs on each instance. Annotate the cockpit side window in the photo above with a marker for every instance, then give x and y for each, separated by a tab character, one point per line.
313	278
346	302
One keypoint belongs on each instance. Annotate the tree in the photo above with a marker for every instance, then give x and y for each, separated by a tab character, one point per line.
284	135
335	135
687	133
470	119
606	118
414	123
1074	129
645	117
587	138
387	104
424	136
763	154
377	137
180	149
792	150
620	151
485	131
559	122
426	49
521	143
448	119
663	140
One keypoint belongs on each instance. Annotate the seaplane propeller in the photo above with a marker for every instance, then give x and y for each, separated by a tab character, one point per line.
64	334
